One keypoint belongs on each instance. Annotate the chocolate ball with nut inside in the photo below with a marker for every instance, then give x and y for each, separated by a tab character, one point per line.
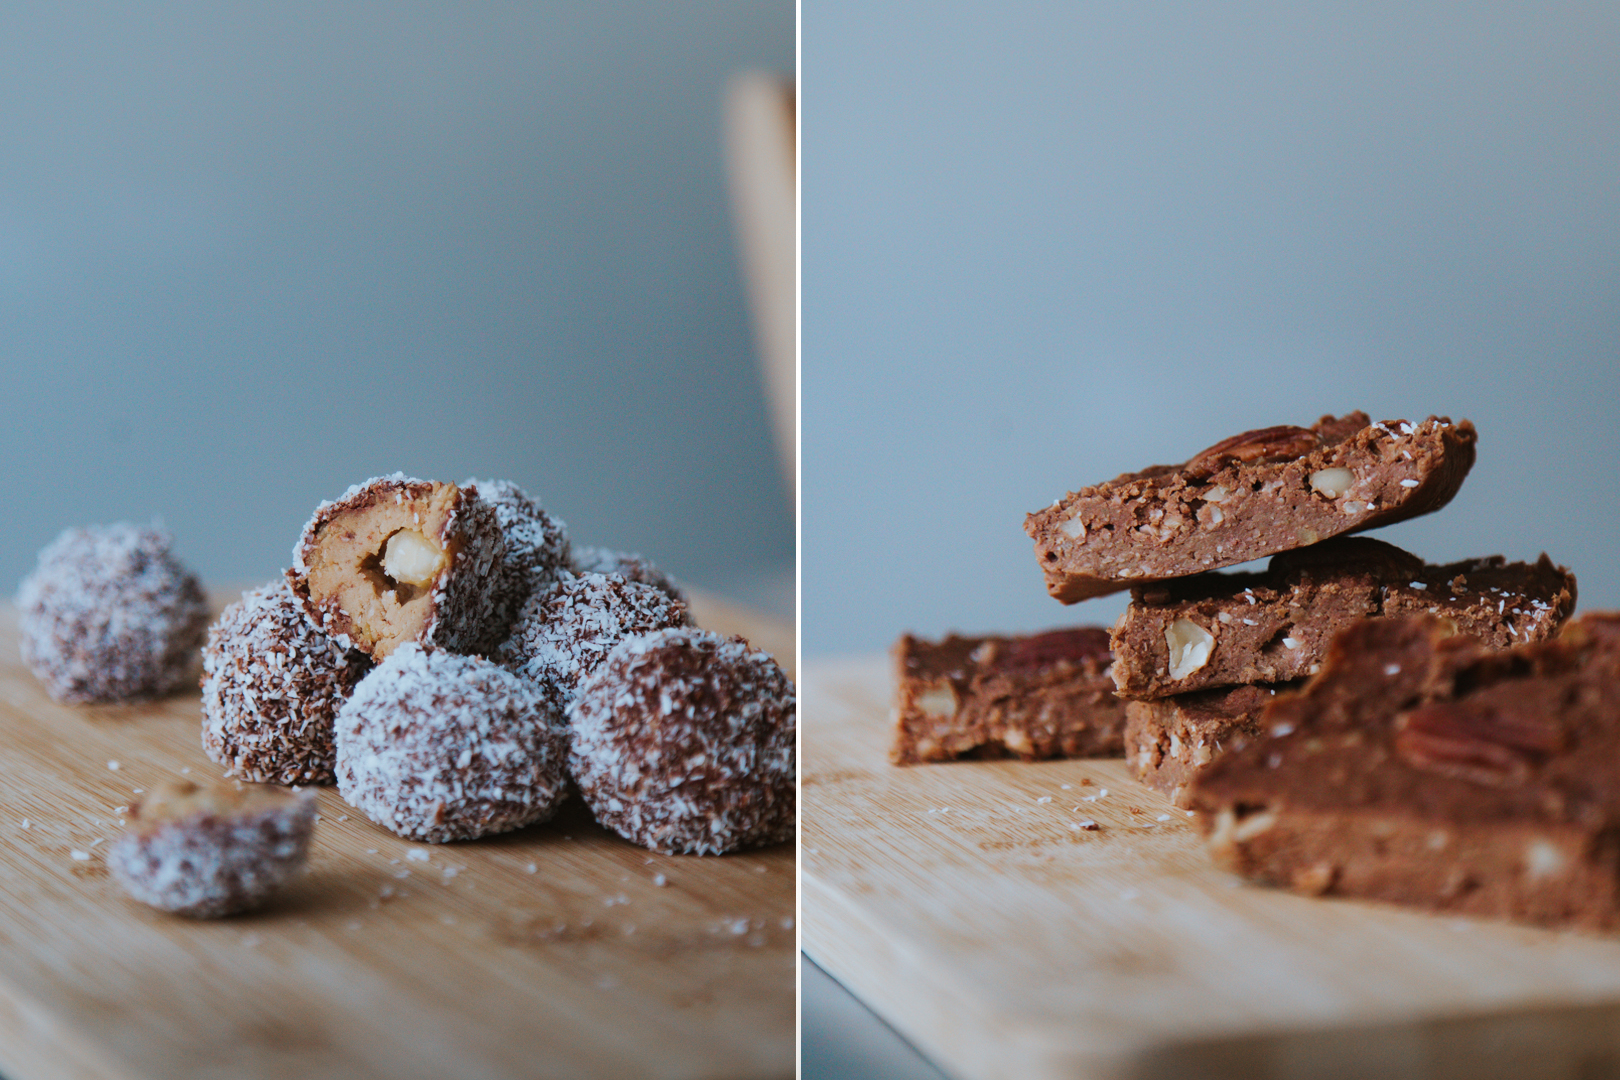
206	852
396	560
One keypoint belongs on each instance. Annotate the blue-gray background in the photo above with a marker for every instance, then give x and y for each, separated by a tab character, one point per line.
1046	243
250	255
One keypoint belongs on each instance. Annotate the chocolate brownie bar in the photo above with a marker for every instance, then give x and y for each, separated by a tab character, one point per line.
1247	497
1168	740
1043	696
1223	629
1423	768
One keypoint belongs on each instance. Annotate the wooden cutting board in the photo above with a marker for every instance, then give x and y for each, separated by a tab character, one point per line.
558	950
964	905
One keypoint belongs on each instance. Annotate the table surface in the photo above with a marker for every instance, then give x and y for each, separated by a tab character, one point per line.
968	907
556	950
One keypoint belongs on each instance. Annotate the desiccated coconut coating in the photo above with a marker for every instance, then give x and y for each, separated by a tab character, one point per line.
567	630
628	564
271	685
683	742
537	545
397	559
210	852
110	614
435	747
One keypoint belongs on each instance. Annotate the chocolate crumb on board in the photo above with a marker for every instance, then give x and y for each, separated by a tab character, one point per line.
272	684
1223	629
564	632
109	614
435	746
629	565
1422	768
1040	696
207	852
683	742
1247	497
397	559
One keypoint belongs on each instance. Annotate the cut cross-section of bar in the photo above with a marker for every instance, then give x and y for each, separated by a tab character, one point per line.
1248	497
1226	629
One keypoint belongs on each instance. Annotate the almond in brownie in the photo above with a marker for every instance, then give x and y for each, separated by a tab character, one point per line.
1043	696
1248	497
1225	629
1422	768
1168	740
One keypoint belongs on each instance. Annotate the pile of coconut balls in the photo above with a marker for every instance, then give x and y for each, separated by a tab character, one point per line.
438	652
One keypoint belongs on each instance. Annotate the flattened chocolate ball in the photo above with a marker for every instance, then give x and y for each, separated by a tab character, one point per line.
435	747
564	632
206	852
272	684
683	743
397	559
110	614
628	564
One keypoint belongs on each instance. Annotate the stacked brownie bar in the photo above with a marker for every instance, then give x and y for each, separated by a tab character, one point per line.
1350	719
1200	653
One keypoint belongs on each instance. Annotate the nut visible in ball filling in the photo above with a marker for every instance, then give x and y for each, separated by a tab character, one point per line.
683	741
435	746
110	614
272	684
206	852
397	559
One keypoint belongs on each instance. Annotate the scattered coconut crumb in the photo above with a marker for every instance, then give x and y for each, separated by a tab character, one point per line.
660	880
1044	799
532	868
416	855
1088	825
114	766
79	856
25	823
185	769
1162	817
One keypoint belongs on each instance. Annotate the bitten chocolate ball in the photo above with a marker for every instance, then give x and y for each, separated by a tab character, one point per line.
206	852
629	565
564	632
272	684
537	547
110	614
397	559
683	743
435	747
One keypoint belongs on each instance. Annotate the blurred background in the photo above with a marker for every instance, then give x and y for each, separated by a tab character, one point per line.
1058	242
249	256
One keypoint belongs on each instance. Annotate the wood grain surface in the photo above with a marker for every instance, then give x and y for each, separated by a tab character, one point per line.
966	906
558	950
